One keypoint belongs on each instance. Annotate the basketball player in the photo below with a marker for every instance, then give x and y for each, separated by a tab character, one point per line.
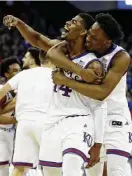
78	30
116	60
9	68
34	87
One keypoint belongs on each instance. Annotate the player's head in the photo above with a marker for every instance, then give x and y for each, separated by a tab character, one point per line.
77	27
42	57
103	33
31	58
10	67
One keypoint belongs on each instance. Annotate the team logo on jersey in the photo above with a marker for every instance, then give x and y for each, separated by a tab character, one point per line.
117	124
87	138
130	137
81	63
104	62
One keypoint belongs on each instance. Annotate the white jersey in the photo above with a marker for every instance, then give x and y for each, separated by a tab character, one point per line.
67	102
7	114
116	101
34	89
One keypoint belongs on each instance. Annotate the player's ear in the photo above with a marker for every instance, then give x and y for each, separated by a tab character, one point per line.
32	61
83	32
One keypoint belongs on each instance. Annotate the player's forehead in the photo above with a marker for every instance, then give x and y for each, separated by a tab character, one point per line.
77	18
14	66
97	31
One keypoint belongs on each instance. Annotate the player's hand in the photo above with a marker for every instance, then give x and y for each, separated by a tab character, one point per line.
58	77
94	155
91	76
10	21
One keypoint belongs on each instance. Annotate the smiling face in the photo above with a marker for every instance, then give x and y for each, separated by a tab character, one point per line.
96	39
73	29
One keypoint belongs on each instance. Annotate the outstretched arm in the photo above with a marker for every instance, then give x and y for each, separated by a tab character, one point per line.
30	35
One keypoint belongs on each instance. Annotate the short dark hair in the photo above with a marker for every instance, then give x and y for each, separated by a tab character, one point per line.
35	54
110	26
4	67
87	19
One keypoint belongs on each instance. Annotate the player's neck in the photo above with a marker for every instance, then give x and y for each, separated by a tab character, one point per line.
76	47
104	50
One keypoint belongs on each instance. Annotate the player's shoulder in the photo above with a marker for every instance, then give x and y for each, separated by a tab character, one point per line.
122	57
54	42
90	54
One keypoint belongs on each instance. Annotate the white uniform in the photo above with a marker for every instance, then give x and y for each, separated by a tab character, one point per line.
6	140
130	159
34	89
71	126
117	121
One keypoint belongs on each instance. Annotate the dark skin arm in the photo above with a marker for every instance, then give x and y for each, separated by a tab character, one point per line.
100	92
5	120
30	35
8	107
57	56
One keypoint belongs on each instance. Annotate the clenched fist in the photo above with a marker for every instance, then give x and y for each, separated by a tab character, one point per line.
10	21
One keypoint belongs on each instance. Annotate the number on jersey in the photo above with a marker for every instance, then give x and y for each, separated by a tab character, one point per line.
66	90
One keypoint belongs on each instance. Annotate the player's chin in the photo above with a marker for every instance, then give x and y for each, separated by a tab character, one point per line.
63	37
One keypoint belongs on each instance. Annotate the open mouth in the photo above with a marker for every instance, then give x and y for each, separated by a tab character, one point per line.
65	29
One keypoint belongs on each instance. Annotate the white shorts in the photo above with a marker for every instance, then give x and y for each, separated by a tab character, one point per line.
6	145
71	135
130	139
116	136
27	143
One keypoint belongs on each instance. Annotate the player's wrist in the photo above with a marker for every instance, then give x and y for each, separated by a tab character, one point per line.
12	121
97	145
19	22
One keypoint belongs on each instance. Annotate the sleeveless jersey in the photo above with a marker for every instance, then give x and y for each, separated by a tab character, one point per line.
9	97
67	102
116	101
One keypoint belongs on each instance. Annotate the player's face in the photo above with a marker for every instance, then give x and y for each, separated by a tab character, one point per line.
26	60
73	29
96	39
13	70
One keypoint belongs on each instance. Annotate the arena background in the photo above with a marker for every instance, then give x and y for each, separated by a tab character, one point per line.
48	17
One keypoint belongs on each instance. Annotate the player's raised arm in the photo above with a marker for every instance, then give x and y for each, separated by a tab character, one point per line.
30	35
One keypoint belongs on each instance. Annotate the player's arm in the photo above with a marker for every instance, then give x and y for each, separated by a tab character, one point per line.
8	107
4	90
57	56
5	120
30	35
100	92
